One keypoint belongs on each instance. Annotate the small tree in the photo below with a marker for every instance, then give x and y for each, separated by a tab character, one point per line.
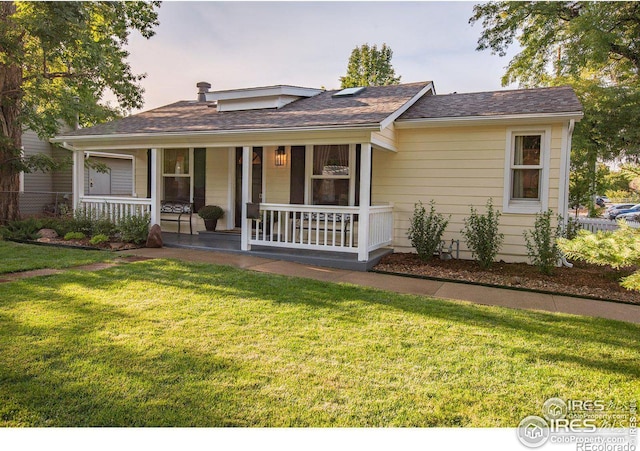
542	247
482	236
618	249
369	66
425	231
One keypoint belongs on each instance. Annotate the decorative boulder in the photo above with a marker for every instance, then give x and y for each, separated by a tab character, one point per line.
48	233
155	236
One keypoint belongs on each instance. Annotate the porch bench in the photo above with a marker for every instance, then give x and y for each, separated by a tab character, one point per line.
176	211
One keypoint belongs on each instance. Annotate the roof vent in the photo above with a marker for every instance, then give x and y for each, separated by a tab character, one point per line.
203	89
349	92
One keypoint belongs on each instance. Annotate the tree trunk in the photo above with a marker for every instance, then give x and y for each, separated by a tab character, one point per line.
10	126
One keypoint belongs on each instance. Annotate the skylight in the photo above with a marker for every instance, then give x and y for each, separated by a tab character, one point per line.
348	92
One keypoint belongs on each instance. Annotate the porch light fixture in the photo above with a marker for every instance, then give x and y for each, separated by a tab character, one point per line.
281	156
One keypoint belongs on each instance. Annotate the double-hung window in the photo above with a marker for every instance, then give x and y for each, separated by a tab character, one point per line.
332	174
176	175
527	171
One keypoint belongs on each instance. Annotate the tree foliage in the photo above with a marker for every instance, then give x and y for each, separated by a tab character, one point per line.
57	61
370	66
594	46
618	249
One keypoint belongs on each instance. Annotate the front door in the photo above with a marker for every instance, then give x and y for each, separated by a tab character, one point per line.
99	182
256	181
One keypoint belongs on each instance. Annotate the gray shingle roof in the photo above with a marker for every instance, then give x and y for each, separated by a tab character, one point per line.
495	103
371	106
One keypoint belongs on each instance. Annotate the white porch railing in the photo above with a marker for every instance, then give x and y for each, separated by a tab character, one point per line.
115	208
595	224
319	227
306	227
380	226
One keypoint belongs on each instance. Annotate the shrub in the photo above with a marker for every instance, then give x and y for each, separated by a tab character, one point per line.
425	231
618	248
74	236
25	229
213	212
542	247
81	222
134	229
103	226
482	236
99	239
571	229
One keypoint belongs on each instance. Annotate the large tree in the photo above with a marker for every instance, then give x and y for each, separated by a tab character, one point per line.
370	66
57	60
594	46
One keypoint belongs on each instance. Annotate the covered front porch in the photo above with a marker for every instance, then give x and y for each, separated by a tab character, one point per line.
309	203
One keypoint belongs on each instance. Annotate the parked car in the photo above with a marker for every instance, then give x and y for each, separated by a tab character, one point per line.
615	213
602	200
612	208
633	216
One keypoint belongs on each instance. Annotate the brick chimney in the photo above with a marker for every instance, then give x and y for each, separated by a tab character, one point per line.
203	88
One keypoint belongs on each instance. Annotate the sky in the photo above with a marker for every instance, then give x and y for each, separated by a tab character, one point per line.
247	44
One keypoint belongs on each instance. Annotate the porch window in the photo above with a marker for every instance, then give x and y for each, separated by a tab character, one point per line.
176	175
526	181
331	177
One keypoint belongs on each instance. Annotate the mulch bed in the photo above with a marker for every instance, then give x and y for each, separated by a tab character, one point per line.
85	244
583	279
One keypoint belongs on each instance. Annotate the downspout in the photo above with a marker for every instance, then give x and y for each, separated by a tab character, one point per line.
567	169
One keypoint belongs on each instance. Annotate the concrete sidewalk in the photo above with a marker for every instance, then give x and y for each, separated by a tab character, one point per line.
447	290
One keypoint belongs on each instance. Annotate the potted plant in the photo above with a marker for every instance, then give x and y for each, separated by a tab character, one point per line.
211	214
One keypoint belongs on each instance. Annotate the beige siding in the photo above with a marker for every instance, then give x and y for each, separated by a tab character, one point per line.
456	167
385	138
218	185
277	178
40	182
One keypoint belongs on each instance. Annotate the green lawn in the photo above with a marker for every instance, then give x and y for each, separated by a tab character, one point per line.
25	257
164	343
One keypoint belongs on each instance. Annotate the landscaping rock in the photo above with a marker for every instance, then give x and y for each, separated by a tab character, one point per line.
116	246
155	236
48	233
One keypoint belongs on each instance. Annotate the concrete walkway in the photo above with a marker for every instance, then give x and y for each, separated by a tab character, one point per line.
447	290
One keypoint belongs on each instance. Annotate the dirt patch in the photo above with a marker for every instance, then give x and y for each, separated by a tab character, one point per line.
600	282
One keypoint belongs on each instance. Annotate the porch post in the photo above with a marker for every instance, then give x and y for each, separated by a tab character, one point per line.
156	195
365	200
77	176
246	197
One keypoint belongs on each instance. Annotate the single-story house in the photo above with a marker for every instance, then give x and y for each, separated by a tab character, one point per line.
341	170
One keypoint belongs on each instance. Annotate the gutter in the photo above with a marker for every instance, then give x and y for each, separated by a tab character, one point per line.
64	138
464	120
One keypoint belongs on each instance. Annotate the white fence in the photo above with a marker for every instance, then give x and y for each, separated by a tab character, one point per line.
115	208
596	224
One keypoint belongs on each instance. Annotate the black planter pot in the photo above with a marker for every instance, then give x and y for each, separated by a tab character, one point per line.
210	224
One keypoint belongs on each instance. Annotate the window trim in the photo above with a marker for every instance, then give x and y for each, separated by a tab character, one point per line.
511	205
187	175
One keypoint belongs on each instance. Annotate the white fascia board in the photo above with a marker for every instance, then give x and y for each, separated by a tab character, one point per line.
80	141
266	91
122	156
396	114
485	120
